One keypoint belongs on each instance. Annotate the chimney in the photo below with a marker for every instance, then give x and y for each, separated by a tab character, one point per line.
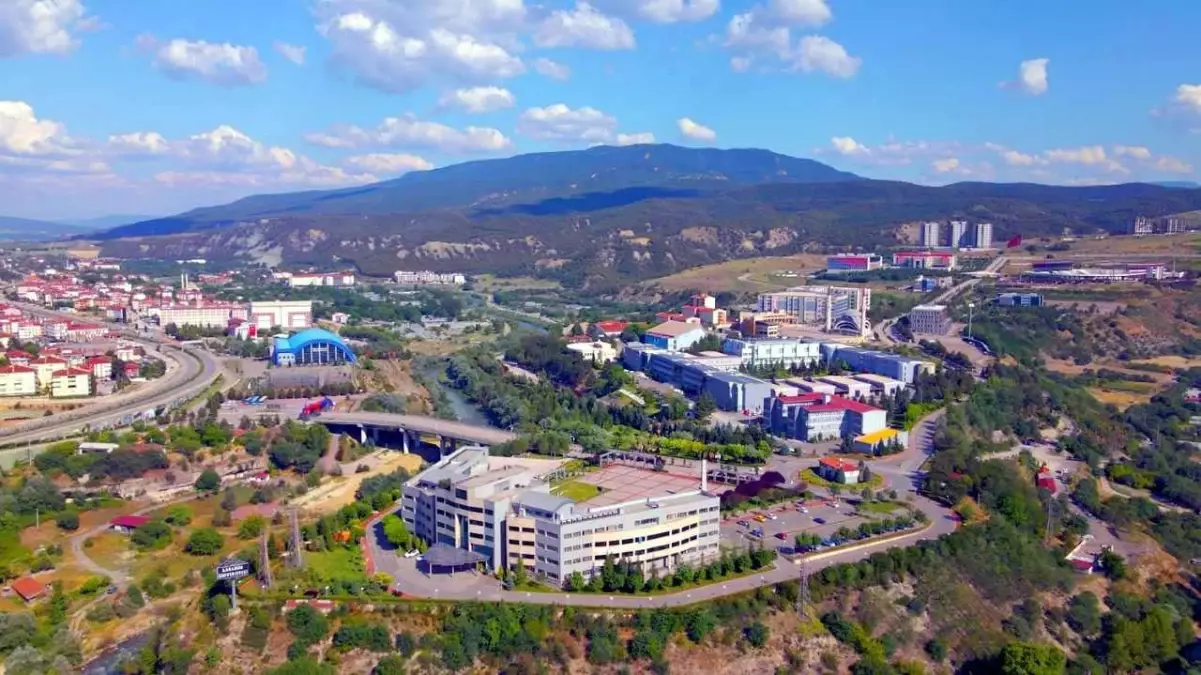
704	475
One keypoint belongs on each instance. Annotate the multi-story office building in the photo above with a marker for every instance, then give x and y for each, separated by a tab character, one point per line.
983	238
881	363
207	315
738	391
675	335
777	353
957	235
929	320
426	278
817	417
931	234
1020	300
831	308
557	538
463	500
501	510
848	386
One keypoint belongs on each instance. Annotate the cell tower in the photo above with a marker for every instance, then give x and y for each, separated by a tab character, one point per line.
264	562
802	597
296	544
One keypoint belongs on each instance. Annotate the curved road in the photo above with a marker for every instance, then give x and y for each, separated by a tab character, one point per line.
898	469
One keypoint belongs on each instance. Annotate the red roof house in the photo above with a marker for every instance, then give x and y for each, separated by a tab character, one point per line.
28	588
127	524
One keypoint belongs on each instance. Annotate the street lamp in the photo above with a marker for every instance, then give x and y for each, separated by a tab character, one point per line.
970	307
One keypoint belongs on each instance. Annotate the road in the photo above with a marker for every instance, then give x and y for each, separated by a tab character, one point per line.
118	577
897	470
190	371
421	424
883	332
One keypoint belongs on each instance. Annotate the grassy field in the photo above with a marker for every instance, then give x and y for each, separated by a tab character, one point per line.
338	492
1173	361
748	275
1118	398
109	550
488	282
814	481
576	491
877	508
341	563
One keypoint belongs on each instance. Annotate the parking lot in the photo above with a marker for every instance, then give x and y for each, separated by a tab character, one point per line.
820	518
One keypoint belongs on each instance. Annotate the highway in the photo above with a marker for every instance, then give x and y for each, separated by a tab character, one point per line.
190	371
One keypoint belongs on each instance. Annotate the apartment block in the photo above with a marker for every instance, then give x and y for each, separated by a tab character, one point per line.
929	320
931	234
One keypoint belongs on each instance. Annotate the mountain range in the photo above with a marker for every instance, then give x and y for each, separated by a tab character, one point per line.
606	216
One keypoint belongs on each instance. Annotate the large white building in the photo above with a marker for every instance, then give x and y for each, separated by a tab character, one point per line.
426	278
501	509
983	238
207	315
287	314
958	237
18	381
831	308
773	353
931	234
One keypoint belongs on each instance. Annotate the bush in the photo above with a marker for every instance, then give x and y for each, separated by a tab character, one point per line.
67	520
151	536
204	541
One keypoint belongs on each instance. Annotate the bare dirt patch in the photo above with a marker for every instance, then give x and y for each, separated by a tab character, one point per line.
750	274
339	491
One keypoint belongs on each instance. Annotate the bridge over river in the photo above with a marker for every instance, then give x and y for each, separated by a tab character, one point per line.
379	427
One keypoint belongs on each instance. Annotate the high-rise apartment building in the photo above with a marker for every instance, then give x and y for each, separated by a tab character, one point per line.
983	238
931	234
958	234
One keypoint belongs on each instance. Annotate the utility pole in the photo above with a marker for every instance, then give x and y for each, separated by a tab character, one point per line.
297	544
264	562
970	307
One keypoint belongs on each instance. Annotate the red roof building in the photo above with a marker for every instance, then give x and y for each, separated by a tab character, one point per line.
127	524
28	588
839	464
607	328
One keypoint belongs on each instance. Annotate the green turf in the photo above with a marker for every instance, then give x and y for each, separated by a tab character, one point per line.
883	508
576	491
340	563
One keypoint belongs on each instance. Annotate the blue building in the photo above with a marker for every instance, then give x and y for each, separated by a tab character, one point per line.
881	363
309	347
1020	300
737	391
675	336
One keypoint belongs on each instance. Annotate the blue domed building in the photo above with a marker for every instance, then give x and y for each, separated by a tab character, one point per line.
311	347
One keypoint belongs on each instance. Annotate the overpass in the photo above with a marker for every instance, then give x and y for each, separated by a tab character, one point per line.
369	425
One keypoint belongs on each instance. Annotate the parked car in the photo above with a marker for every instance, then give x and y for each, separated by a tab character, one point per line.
412	553
744	523
819	520
781	535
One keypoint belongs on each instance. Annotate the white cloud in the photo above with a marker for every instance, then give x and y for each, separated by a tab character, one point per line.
819	53
849	147
1015	158
1172	165
478	100
39	26
1134	151
139	144
22	133
583	27
765	33
1032	77
293	53
552	69
635	139
946	165
222	64
801	12
1088	155
562	124
410	132
693	131
391	164
1189	96
664	11
397	46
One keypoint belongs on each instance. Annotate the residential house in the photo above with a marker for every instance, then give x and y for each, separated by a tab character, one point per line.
18	381
127	524
28	588
607	329
597	352
71	382
46	367
101	367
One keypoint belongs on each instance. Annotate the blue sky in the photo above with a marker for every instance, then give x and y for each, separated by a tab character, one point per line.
112	106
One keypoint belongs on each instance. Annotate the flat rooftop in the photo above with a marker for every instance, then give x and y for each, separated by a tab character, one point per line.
620	483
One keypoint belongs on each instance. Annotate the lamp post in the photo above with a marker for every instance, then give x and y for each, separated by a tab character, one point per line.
970	307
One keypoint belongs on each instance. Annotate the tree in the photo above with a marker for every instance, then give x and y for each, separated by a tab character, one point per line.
705	406
303	666
1084	614
757	634
67	520
1112	564
204	541
229	500
179	515
251	527
153	535
391	664
396	532
307	624
209	481
1026	658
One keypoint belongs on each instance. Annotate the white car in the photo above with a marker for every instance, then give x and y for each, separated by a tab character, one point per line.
412	554
772	516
